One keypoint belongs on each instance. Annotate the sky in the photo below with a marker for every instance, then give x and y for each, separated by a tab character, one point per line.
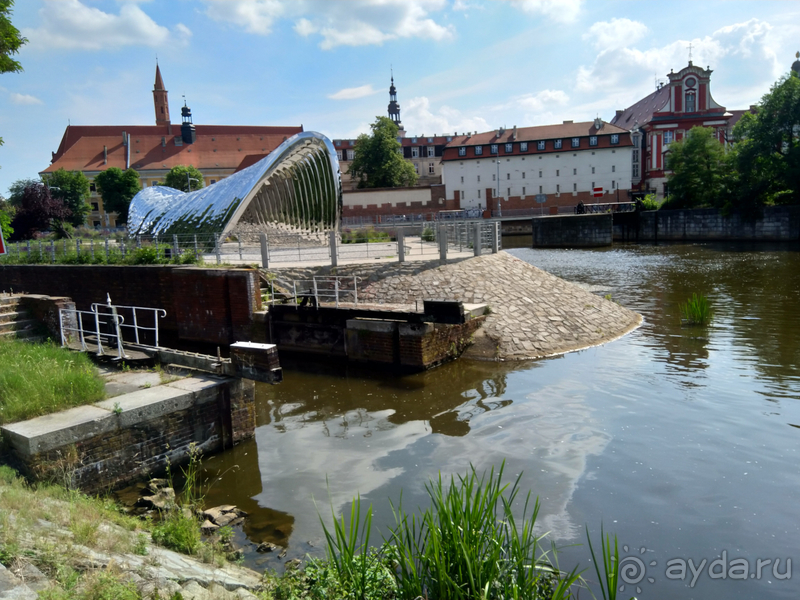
459	65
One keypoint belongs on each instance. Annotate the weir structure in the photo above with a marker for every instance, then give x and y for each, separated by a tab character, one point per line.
297	187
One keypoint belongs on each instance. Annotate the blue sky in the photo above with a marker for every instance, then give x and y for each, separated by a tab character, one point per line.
459	65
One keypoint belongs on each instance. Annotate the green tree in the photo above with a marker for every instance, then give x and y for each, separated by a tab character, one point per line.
181	177
117	187
72	187
767	150
10	41
699	171
378	162
16	189
5	223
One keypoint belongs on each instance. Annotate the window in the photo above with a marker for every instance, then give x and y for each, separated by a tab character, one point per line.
540	189
509	193
479	178
416	168
478	150
414	152
635	171
338	142
95	206
96	223
540	174
540	145
399	140
613	168
431	169
576	142
462	151
351	155
413	140
635	155
523	174
509	148
508	175
574	171
339	154
523	190
431	152
430	140
558	189
668	135
593	140
558	172
593	185
494	177
212	181
523	147
153	183
690	107
613	185
479	193
462	179
615	138
449	138
574	187
493	149
592	170
92	187
557	144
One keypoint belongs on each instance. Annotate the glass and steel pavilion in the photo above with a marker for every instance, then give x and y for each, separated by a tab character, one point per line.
297	187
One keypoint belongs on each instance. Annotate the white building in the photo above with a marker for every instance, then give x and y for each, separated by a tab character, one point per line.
561	164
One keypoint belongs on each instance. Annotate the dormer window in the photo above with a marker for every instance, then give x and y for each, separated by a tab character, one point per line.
576	142
557	144
509	148
540	145
615	138
690	103
493	148
478	150
413	140
462	151
593	140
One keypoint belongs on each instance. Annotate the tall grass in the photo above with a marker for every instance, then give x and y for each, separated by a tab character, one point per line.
696	310
37	379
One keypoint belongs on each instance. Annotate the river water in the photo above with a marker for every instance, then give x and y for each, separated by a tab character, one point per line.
682	441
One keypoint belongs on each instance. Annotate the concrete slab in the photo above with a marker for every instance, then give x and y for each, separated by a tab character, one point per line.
475	310
59	429
147	404
196	384
126	382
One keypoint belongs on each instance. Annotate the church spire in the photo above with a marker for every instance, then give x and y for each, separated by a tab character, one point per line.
160	100
394	106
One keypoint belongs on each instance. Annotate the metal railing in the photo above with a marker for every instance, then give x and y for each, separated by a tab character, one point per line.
323	288
104	324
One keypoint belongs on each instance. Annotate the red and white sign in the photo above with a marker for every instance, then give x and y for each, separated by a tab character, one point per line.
597	192
2	244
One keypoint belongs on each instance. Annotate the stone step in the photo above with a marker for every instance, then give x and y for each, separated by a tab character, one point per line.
10	315
20	325
28	335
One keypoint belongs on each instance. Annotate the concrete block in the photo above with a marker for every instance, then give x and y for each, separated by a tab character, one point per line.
59	429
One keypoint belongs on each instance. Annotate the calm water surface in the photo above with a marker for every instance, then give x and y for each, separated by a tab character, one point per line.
682	441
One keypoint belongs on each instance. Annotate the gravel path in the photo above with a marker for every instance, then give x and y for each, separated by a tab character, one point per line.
533	313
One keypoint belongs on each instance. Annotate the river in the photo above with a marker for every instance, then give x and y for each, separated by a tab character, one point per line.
682	441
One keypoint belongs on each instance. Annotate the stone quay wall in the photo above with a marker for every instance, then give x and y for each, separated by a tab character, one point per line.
116	441
213	306
572	231
777	224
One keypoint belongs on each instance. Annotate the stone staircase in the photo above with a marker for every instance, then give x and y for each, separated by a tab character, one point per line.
16	323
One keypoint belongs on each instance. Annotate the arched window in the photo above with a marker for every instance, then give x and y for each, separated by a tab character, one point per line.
690	105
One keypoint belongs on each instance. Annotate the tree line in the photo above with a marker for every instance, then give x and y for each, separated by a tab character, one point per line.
59	201
761	167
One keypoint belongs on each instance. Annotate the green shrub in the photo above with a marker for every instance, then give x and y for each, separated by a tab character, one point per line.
649	202
428	234
696	310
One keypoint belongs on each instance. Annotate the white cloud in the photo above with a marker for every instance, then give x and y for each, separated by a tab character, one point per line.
418	119
24	99
256	16
353	23
563	11
353	93
616	33
71	24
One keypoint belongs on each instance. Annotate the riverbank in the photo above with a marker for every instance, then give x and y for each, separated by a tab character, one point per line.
533	313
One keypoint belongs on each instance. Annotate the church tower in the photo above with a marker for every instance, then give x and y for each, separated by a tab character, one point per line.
160	100
394	108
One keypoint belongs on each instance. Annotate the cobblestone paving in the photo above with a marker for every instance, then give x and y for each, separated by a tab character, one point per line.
534	314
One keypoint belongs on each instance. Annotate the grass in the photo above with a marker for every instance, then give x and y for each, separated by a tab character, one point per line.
696	310
147	254
37	379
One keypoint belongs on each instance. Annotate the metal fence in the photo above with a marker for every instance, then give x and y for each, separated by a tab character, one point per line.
329	288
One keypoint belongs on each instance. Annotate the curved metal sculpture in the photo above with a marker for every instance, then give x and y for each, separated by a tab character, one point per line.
297	185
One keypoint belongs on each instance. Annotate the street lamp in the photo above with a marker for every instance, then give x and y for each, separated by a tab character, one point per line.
189	180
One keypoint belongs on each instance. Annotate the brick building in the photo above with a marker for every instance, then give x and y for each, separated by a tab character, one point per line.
561	164
216	150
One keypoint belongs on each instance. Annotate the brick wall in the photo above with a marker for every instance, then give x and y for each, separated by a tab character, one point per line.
572	231
214	306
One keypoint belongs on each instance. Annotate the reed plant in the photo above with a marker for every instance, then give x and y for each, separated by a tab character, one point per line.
696	310
37	379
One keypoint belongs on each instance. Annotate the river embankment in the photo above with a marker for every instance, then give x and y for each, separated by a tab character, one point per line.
532	314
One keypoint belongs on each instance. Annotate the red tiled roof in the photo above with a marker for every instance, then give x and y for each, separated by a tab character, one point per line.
641	113
738	114
541	132
216	146
249	161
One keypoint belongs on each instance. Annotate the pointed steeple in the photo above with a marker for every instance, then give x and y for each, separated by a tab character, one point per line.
394	106
160	100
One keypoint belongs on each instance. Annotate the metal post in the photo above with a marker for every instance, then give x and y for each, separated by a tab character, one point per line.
175	249
91	246
195	244
123	249
106	249
495	237
442	243
476	238
28	248
216	248
336	290
264	250
240	248
355	289
53	251
401	245
316	296
61	326
97	332
334	255
65	246
136	325
78	246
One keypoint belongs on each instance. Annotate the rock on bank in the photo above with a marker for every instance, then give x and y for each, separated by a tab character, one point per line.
533	313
